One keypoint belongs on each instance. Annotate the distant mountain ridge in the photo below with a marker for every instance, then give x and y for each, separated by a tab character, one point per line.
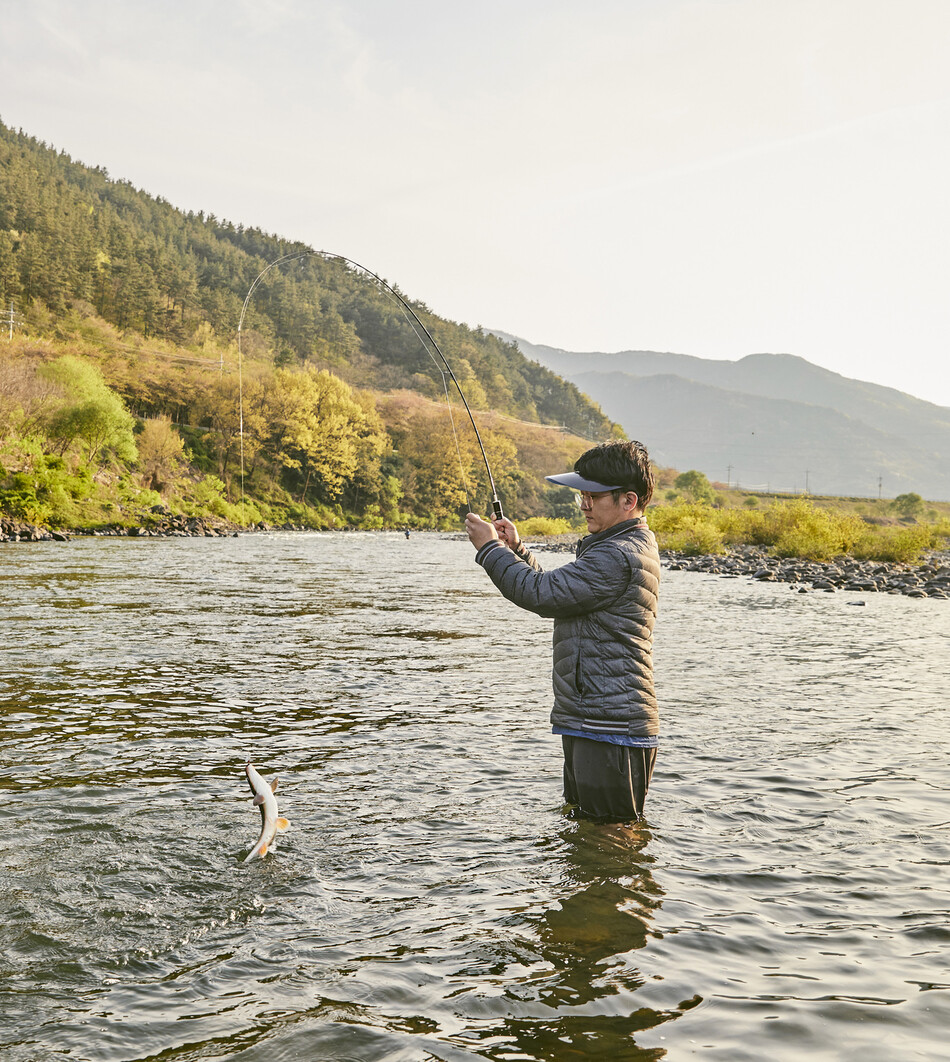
766	421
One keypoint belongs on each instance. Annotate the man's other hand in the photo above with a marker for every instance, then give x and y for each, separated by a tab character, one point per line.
479	531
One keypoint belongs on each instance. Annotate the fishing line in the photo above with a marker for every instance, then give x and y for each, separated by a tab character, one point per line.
422	333
455	435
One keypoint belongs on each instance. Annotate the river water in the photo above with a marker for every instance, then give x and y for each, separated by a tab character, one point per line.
788	897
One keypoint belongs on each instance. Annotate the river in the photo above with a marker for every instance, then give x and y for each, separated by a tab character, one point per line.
787	898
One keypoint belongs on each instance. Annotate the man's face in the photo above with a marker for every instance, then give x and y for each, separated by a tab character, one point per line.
602	510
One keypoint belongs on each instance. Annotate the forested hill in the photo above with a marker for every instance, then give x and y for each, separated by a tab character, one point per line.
70	234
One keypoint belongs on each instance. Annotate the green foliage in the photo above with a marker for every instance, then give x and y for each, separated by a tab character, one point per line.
161	453
911	504
131	310
700	538
440	469
559	503
800	529
46	490
145	499
309	440
540	525
696	486
691	529
372	519
18	499
791	529
89	414
901	545
209	496
310	423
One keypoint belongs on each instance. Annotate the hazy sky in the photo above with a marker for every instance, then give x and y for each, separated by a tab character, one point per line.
713	177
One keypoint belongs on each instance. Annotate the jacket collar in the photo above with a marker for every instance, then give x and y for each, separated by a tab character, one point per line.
611	532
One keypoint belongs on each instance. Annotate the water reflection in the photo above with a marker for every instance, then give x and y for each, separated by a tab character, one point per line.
582	1005
610	895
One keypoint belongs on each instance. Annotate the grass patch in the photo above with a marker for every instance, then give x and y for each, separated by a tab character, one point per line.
794	528
541	525
690	529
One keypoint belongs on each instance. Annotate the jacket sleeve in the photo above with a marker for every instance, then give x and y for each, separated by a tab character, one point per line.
521	551
592	582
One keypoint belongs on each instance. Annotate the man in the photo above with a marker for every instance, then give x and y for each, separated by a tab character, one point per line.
604	607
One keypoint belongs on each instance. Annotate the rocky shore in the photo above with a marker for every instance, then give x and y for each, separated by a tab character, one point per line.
930	579
158	525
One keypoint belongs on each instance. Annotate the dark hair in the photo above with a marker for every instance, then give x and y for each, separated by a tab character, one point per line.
624	463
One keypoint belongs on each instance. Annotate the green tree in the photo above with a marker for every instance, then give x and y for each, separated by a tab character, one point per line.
161	453
317	429
695	486
910	505
431	473
90	414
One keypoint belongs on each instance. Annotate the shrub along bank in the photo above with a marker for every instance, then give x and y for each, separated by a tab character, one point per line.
797	528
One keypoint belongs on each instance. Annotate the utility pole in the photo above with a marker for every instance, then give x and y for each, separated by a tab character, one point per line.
728	476
806	480
10	319
880	480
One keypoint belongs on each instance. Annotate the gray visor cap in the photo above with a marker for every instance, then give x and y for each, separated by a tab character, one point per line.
576	482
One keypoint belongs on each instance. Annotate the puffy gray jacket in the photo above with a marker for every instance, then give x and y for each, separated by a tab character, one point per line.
604	607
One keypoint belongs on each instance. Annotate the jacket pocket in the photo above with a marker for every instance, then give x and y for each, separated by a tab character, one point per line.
585	666
579	675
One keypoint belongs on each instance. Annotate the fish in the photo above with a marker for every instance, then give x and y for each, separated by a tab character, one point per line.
272	822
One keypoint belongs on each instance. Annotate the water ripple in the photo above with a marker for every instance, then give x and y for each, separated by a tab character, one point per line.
788	897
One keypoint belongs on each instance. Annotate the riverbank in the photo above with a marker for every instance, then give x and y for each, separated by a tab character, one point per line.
928	579
931	578
163	526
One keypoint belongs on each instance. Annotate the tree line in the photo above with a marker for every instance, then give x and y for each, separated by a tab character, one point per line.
92	434
69	234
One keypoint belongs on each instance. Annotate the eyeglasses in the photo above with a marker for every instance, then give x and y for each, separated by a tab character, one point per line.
585	500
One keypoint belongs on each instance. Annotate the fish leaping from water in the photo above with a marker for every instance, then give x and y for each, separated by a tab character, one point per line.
271	822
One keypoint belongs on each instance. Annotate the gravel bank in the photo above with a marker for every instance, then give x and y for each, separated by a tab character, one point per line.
930	579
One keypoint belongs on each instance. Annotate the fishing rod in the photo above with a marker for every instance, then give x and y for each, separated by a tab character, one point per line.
428	344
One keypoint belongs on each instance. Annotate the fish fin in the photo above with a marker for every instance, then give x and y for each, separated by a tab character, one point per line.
258	799
263	850
273	785
282	823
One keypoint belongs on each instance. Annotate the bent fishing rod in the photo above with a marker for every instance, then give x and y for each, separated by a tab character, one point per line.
422	333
